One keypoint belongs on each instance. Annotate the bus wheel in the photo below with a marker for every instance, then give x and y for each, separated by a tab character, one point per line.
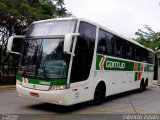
146	83
142	86
98	96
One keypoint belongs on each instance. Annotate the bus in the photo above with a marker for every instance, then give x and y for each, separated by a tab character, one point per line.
66	61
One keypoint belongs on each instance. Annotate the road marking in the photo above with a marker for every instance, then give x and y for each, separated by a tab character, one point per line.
46	118
107	110
51	117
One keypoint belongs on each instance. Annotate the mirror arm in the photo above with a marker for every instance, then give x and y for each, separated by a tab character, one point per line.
72	54
68	42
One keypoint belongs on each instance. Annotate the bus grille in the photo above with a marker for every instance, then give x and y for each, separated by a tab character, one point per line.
36	87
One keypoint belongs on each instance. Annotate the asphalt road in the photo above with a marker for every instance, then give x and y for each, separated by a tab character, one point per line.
122	106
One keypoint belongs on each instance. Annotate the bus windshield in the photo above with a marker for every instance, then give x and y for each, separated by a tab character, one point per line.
43	56
44	59
51	28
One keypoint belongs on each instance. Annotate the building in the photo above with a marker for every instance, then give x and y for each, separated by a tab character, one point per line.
157	53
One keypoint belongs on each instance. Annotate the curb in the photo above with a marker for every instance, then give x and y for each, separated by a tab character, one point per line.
7	86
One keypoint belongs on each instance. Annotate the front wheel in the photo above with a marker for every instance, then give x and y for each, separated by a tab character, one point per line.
98	96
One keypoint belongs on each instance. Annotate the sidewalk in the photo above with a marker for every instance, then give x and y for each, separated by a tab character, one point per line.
7	86
155	83
8	82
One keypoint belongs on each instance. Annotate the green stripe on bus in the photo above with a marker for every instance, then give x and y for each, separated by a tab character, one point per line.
19	77
98	62
149	68
113	64
110	63
43	82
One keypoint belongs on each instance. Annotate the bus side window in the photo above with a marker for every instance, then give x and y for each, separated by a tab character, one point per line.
105	42
119	47
128	50
144	54
101	46
138	56
84	50
151	58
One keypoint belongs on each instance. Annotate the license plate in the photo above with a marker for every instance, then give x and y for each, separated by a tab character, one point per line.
34	94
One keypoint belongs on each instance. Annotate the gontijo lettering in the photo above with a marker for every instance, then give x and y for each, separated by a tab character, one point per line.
114	64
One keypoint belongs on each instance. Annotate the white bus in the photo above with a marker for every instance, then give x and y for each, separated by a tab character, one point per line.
66	61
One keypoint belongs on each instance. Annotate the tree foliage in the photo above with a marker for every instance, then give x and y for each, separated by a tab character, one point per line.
148	38
17	15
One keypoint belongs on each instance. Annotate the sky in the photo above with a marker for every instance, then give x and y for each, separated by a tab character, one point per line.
124	17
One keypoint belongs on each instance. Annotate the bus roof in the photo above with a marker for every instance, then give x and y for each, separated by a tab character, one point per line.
98	25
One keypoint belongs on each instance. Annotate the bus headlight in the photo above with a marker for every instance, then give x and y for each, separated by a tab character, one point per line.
19	82
58	87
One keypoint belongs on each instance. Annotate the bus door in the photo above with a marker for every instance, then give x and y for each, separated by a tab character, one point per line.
82	62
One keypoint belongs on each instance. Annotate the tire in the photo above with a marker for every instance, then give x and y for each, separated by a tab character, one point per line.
146	83
98	96
142	87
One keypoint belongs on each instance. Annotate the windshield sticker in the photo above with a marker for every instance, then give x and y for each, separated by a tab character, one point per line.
45	42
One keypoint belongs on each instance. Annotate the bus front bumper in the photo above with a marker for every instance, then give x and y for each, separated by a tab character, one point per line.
59	97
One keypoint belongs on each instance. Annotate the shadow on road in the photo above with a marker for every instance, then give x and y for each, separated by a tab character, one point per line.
121	95
59	109
124	94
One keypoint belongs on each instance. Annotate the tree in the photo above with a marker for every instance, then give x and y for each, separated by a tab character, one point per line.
148	38
17	15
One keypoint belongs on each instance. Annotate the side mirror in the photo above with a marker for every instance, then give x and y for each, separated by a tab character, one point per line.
15	44
68	41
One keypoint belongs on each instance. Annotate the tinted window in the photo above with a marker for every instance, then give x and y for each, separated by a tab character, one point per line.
83	52
144	55
151	58
119	47
110	44
105	42
128	50
136	54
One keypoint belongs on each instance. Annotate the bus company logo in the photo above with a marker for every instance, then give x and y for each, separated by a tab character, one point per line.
114	64
111	64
